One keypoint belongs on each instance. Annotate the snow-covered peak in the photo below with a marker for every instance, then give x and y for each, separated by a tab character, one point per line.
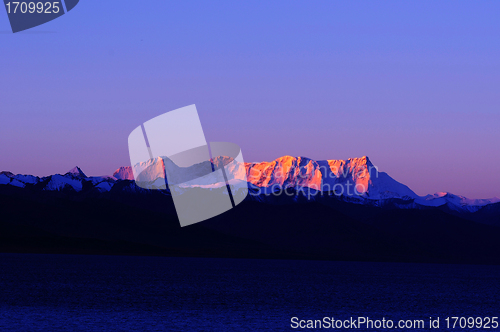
442	198
77	172
351	177
124	173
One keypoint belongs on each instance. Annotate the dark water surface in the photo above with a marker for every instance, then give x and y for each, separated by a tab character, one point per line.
122	293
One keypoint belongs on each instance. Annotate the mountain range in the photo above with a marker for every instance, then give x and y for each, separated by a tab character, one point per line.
296	208
356	180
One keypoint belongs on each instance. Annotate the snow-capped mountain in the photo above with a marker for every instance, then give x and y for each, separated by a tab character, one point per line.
356	180
458	202
124	173
74	180
352	177
76	172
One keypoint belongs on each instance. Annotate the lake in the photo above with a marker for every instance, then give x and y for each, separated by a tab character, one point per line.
133	293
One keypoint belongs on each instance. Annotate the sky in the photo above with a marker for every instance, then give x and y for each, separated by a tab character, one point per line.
413	85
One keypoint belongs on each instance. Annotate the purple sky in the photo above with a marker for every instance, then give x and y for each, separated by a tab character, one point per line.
412	85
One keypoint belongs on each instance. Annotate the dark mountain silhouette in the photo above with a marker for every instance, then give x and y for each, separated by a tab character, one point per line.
144	222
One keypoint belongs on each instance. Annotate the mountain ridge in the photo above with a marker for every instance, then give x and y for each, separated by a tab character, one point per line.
357	170
355	179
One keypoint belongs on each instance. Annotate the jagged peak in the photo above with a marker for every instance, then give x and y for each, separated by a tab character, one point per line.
124	173
76	171
288	157
366	159
363	160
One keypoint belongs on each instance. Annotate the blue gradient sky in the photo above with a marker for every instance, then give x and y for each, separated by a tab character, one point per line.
412	85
